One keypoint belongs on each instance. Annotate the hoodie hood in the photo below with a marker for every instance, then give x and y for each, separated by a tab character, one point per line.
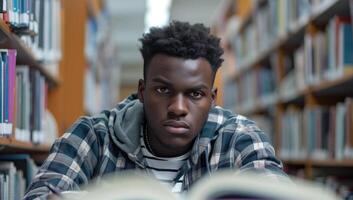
125	122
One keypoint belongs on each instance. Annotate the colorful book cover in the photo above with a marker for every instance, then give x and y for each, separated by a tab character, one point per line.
6	90
3	53
339	22
12	78
1	93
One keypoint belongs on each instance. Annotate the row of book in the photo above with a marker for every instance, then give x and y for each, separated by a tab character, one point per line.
256	86
20	14
31	102
329	53
23	101
38	24
324	55
16	173
319	132
270	23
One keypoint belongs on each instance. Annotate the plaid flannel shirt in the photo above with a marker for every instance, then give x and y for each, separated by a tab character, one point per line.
87	151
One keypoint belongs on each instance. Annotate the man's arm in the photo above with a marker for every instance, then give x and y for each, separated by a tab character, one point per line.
255	151
71	162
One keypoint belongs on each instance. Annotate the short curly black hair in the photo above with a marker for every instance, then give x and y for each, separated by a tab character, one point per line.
181	39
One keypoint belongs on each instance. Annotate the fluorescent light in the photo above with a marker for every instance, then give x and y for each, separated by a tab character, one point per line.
157	13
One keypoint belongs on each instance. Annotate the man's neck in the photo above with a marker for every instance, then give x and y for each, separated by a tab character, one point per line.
160	150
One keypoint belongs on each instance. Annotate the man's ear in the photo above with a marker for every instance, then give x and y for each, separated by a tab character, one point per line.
214	96
140	90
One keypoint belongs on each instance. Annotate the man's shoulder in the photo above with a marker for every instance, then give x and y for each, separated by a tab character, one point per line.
86	126
222	117
222	121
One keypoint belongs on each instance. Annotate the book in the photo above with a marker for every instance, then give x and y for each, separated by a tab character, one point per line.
223	185
7	91
24	93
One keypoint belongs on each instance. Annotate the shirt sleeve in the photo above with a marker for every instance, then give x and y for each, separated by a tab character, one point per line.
255	151
70	163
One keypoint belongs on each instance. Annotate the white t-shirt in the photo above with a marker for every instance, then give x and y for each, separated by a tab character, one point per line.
165	169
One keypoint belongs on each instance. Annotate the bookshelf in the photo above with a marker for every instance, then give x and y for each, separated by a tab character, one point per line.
12	145
58	58
68	83
308	102
10	39
24	55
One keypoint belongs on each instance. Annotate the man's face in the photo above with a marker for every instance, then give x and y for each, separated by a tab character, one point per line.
177	96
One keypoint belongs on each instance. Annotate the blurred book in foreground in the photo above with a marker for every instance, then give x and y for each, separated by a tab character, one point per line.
225	185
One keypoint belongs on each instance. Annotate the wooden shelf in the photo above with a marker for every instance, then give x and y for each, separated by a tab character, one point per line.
327	10
258	106
8	40
319	163
294	161
338	86
298	98
9	144
332	163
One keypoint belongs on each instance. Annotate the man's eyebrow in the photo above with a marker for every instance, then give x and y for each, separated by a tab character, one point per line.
200	87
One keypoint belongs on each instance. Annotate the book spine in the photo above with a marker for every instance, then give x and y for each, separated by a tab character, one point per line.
12	76
1	95
6	93
347	44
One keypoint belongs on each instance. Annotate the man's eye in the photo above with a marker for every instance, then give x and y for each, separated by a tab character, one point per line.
162	90
196	95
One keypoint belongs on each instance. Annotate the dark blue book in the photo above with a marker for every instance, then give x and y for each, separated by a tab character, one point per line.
347	42
3	53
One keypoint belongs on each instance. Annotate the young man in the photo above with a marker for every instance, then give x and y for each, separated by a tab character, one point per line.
171	129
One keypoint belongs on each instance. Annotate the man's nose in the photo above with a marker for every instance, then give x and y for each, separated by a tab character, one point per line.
178	106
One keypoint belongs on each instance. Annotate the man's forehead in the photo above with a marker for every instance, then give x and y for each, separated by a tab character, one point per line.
168	64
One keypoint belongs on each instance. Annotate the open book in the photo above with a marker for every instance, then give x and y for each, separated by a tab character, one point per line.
220	186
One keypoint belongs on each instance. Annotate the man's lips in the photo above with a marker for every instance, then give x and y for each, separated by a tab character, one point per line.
176	127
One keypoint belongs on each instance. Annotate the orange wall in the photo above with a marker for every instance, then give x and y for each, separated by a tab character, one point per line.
66	101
